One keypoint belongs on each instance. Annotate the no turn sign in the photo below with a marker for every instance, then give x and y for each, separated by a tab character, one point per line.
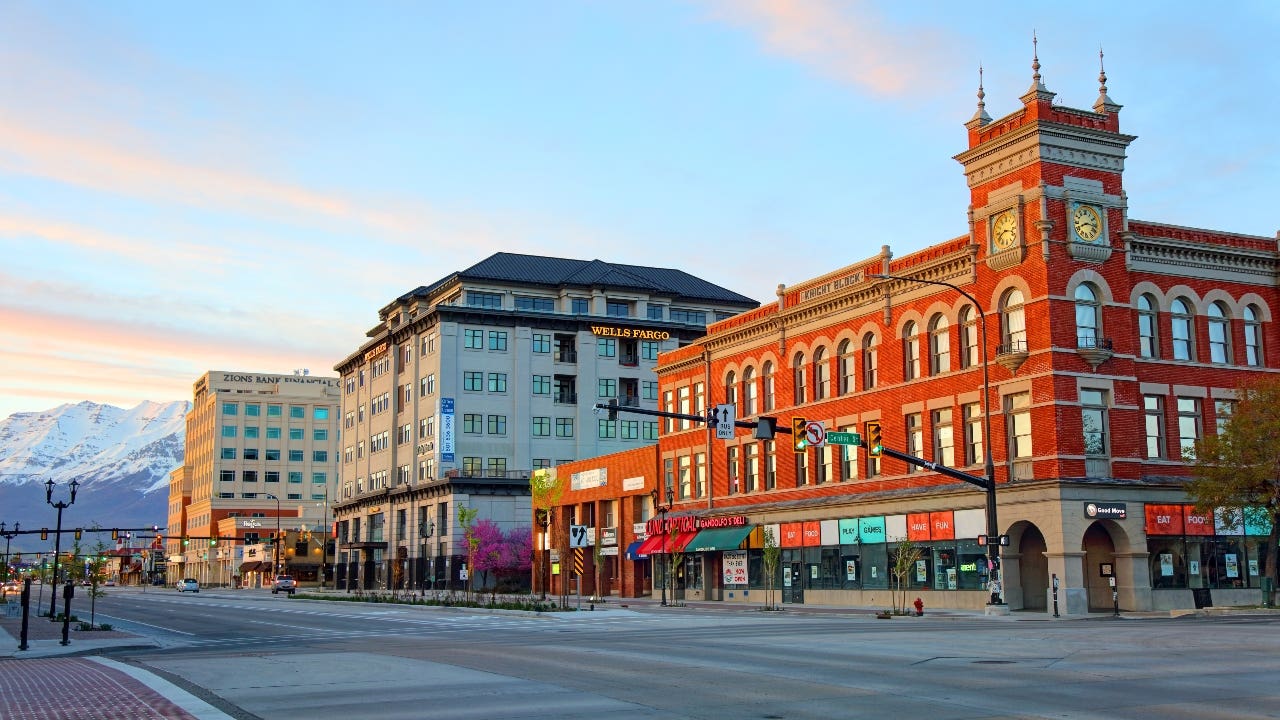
815	434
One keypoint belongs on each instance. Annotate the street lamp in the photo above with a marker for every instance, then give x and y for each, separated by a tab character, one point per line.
666	557
989	467
324	538
57	538
426	529
279	537
8	535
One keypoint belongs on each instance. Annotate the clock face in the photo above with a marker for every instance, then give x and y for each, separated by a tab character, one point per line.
1087	223
1004	230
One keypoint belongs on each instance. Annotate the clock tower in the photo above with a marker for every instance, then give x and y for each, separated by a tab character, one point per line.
1046	177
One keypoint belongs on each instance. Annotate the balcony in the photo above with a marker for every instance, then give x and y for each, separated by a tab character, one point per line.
567	356
629	401
1011	355
630	360
1093	349
566	398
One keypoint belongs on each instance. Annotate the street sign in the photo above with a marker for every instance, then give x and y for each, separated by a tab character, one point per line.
726	416
815	434
578	536
844	438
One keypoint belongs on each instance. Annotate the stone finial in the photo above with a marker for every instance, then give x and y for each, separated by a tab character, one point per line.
1103	104
980	116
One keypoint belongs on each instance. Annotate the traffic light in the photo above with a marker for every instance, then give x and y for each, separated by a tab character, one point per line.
77	533
213	541
115	534
799	442
874	444
185	541
44	533
613	409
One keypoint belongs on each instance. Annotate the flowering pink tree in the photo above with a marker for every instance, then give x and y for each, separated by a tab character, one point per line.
501	556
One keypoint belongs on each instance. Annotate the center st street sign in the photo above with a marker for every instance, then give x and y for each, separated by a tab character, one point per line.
843	438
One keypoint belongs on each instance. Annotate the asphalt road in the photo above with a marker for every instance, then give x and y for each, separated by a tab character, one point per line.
253	654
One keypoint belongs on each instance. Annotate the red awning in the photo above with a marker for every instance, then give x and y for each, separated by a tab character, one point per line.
662	544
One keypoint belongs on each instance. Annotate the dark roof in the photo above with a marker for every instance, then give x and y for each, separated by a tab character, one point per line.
558	272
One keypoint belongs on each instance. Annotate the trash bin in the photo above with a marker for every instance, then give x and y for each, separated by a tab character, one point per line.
1202	597
1268	587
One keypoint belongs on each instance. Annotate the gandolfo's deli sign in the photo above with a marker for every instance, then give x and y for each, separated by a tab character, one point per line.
637	333
693	524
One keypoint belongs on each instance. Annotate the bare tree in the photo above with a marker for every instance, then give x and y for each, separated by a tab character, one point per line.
772	555
904	563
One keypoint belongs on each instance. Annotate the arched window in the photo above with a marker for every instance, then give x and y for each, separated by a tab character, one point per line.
844	361
1088	315
969	337
766	387
1252	336
1219	334
731	388
797	367
1148	339
821	374
910	352
1180	329
1013	323
869	361
749	391
939	345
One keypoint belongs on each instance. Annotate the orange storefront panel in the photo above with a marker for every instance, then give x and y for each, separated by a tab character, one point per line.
812	534
792	535
1194	523
942	525
1164	519
918	527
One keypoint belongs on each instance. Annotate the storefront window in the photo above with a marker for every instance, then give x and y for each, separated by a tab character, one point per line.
1168	562
831	574
851	567
874	572
972	565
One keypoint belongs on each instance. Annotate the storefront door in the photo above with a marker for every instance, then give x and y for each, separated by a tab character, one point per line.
793	574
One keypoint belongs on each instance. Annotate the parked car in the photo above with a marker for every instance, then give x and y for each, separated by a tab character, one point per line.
284	583
12	587
189	585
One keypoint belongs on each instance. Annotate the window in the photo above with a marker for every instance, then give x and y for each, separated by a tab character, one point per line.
1153	420
274	410
227	475
251	453
249	476
541	343
1093	412
541	463
1017	409
273	454
750	467
649	349
296	455
606	429
228	453
230	408
524	302
630	429
564	427
845	367
1180	330
826	464
229	431
1252	336
969	337
802	469
1088	315
498	340
297	412
910	352
849	456
692	317
473	339
580	306
295	433
617	308
497	382
497	467
497	424
731	462
649	429
821	374
252	409
915	438
973	447
749	391
939	345
944	446
1219	334
656	312
542	427
295	477
472	423
731	388
606	347
797	369
429	344
484	299
272	476
766	387
1013	322
320	434
686	407
1222	411
472	465
251	432
429	385
869	361
1188	426
427	426
607	387
473	380
770	465
541	384
649	389
686	477
273	433
320	456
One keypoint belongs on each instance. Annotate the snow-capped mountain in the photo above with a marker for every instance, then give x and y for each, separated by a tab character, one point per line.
121	457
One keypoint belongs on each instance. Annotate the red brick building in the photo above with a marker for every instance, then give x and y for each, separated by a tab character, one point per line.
1109	346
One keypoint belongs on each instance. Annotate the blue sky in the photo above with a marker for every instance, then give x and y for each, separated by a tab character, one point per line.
242	185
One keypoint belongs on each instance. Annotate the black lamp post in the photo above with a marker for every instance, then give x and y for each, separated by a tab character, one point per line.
57	538
279	537
426	529
8	535
666	540
989	468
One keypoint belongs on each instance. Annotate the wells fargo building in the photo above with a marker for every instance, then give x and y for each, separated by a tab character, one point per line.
1112	344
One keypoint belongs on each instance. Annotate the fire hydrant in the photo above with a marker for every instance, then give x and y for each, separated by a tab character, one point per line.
919	607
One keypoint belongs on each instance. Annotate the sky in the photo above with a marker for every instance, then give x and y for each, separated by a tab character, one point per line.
243	185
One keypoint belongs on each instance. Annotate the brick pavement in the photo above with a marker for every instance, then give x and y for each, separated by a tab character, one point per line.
75	688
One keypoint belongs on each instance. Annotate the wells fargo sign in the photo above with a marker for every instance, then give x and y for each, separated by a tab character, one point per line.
637	333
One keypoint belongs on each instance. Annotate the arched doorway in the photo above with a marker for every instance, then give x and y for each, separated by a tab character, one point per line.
1099	553
1033	568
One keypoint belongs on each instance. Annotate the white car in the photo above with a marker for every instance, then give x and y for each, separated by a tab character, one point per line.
189	584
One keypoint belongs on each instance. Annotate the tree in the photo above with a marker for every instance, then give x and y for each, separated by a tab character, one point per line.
97	573
487	556
1238	469
467	521
676	559
772	554
545	490
904	563
517	556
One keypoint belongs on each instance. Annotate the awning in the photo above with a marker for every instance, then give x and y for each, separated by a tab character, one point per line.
647	547
250	567
720	539
633	551
666	545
